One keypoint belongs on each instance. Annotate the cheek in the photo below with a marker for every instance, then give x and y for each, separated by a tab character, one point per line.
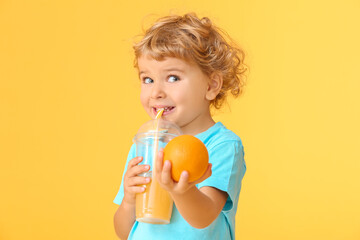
180	97
143	99
191	96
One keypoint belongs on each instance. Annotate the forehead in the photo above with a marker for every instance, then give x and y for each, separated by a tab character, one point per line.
147	63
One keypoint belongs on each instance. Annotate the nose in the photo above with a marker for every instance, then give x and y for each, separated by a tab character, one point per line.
158	91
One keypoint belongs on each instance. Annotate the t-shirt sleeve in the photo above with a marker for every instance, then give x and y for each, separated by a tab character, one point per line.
228	169
120	195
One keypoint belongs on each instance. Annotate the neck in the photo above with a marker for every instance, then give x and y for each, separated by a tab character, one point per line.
199	127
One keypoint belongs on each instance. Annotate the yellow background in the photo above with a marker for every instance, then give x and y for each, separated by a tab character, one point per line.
69	108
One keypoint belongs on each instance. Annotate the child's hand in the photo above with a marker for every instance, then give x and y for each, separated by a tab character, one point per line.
163	176
132	182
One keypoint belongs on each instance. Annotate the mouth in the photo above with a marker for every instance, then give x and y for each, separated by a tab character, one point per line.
167	109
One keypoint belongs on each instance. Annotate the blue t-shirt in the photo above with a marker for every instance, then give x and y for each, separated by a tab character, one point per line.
226	154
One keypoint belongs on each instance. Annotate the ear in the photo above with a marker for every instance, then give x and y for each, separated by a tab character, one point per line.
214	86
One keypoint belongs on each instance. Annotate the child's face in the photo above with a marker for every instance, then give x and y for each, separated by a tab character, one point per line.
178	86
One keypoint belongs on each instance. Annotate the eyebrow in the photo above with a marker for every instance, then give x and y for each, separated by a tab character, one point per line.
174	70
167	70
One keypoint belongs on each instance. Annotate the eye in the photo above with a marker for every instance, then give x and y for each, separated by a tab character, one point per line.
173	78
147	80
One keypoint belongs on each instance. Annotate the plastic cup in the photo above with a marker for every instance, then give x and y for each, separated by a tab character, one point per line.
155	204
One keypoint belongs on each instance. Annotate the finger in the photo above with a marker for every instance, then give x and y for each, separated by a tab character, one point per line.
139	170
206	175
166	173
159	161
184	180
136	181
135	161
137	189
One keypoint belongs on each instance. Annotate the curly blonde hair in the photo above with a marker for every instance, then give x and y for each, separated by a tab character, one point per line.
199	40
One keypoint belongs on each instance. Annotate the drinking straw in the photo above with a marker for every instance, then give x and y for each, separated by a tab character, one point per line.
156	137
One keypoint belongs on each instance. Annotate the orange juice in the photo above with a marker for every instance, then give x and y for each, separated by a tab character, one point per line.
154	205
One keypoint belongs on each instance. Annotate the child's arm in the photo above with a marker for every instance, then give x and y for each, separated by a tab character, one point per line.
199	207
124	217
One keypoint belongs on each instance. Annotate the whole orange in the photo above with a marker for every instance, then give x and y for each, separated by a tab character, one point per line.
186	152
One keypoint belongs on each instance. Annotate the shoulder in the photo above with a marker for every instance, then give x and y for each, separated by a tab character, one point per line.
131	154
219	135
132	151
